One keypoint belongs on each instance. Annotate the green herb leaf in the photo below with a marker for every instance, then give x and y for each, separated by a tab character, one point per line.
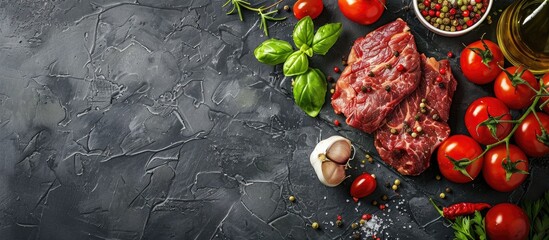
325	37
466	228
273	51
310	91
538	214
304	32
297	63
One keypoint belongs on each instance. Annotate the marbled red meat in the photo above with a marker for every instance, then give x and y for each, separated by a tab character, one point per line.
395	142
372	85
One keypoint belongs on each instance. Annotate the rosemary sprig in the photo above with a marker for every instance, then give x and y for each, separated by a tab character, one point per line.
264	15
538	213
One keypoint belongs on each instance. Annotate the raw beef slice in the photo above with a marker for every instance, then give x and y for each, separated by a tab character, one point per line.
410	135
372	84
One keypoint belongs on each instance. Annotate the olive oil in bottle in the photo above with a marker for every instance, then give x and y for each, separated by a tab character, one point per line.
523	34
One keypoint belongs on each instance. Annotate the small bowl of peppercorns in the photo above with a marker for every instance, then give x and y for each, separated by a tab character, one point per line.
452	18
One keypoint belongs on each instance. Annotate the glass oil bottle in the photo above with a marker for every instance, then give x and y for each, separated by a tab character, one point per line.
523	34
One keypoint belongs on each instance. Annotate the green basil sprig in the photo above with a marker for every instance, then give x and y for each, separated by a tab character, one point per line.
310	84
310	91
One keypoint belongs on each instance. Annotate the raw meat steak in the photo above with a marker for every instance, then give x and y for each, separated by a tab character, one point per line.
372	84
410	135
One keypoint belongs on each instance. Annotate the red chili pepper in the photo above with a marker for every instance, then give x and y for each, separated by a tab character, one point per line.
460	209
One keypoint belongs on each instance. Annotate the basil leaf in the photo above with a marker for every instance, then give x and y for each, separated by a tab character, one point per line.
304	32
310	91
297	63
325	37
273	51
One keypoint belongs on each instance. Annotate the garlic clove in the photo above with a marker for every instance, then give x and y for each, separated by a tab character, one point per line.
339	151
333	173
328	171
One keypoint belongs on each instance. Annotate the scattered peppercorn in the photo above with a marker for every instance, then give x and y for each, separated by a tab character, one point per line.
356	235
315	225
397	182
438	79
414	134
394	187
442	195
332	91
435	117
337	70
336	123
394	131
448	190
388	66
362	222
291	198
330	78
396	53
419	129
354	225
371	74
374	202
441	85
442	71
437	177
422	105
384	197
339	223
388	88
286	8
382	206
450	53
400	68
367	216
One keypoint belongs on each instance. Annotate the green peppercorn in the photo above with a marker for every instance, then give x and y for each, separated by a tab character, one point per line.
445	9
455	22
435	25
463	8
479	5
465	19
439	20
446	21
452	29
442	15
439	1
459	2
421	6
447	28
428	18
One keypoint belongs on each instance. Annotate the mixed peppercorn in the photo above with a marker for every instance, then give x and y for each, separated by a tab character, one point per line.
452	15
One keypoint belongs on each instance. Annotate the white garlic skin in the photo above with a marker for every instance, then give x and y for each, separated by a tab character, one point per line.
331	173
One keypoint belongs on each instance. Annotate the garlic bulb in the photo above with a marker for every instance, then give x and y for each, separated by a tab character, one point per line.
329	160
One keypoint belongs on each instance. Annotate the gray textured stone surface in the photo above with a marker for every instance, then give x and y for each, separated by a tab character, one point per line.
152	120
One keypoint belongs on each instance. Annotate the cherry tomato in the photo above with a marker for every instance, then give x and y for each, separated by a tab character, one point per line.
483	109
511	87
459	147
545	80
363	12
496	166
311	8
479	61
507	221
529	132
362	186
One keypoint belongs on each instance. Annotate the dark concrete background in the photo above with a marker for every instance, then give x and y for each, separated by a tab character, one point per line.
153	120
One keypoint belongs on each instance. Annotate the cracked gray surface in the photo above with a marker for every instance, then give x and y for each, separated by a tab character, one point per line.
153	120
